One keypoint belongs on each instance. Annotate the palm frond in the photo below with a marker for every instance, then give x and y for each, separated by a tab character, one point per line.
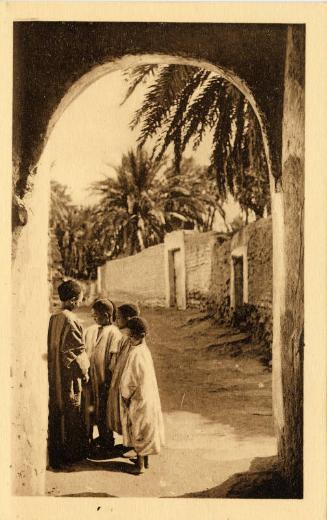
175	125
136	76
203	109
184	104
161	98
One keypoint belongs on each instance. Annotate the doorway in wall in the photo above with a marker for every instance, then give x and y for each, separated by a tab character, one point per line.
175	278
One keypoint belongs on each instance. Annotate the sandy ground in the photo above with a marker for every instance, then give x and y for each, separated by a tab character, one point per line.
217	411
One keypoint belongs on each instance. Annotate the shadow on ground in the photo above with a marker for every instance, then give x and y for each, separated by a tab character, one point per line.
96	495
263	480
107	465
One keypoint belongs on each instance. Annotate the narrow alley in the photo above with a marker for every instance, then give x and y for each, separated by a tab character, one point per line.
216	400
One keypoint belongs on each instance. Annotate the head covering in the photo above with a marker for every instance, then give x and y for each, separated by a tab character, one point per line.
138	326
129	310
68	290
103	306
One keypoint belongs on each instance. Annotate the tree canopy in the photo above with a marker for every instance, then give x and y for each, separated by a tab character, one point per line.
135	210
75	232
147	199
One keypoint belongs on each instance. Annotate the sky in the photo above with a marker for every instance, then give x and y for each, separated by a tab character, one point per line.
92	135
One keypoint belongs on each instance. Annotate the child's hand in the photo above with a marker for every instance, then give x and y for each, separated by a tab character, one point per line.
86	378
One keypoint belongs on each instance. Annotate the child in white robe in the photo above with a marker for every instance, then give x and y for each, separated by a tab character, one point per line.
124	313
141	416
102	345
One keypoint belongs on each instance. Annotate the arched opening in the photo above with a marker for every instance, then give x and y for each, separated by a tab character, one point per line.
37	227
129	61
179	299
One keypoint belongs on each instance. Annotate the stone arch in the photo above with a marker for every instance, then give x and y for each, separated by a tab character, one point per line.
29	458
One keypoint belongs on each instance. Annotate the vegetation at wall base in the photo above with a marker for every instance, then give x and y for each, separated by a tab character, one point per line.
250	318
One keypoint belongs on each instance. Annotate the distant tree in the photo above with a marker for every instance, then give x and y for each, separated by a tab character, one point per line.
74	229
55	267
60	203
146	200
128	213
236	224
193	194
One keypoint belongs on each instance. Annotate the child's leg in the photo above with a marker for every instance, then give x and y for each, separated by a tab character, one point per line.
140	464
106	435
146	461
76	441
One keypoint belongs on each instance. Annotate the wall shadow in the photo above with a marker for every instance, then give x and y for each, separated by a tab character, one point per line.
263	480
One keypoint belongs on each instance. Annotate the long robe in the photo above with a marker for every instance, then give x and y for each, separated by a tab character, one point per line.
141	417
67	364
102	346
113	405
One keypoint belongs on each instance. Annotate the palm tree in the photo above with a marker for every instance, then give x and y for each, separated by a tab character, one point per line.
128	213
185	103
192	194
143	202
81	249
60	203
74	239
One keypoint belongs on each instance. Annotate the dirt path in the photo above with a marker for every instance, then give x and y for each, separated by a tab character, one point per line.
217	411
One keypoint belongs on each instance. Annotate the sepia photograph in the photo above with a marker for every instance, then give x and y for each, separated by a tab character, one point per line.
158	206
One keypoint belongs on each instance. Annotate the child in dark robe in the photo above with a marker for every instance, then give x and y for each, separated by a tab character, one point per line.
68	366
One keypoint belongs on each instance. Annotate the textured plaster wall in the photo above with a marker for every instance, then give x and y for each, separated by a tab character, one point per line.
206	273
29	385
255	242
220	286
260	260
199	257
137	277
292	317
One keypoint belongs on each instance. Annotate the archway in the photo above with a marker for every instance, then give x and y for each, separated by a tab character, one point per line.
33	460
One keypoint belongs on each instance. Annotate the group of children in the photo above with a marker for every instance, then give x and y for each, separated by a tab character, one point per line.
102	377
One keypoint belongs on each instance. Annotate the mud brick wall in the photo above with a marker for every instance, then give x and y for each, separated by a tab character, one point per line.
260	263
220	286
257	236
199	255
137	277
